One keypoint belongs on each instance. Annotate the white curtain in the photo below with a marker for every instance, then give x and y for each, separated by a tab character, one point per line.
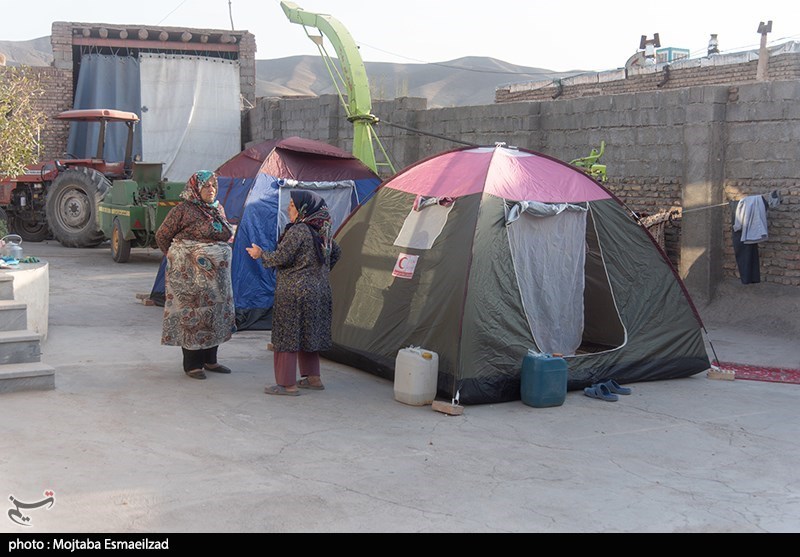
549	253
191	115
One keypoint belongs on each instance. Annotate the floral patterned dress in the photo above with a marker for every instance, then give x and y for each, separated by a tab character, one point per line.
303	305
198	309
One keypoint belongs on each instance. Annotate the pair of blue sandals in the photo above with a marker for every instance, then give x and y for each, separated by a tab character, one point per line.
606	390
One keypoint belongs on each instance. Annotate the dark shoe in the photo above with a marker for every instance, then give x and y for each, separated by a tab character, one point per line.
280	390
196	374
219	369
615	387
599	390
304	383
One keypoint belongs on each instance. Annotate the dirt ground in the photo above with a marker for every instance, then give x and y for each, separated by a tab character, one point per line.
763	307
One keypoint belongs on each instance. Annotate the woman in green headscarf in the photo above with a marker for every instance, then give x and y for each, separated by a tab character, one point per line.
198	309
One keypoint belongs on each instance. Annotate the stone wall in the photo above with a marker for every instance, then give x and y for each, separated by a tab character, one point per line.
693	149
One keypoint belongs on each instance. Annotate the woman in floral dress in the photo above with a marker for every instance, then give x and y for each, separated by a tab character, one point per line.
301	323
198	309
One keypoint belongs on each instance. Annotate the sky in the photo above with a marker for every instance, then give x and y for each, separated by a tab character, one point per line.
554	35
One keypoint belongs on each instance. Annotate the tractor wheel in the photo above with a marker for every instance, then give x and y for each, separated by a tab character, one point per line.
27	230
71	208
120	247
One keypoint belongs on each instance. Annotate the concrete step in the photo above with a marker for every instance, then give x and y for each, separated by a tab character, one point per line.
19	347
13	315
6	286
33	376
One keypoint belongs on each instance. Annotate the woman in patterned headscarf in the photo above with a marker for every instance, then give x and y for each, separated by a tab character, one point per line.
198	309
301	323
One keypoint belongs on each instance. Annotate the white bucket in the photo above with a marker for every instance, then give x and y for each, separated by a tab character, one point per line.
416	373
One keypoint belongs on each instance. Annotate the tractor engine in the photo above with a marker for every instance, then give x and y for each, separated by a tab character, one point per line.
26	211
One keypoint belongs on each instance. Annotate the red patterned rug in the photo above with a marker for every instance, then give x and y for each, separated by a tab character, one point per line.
762	373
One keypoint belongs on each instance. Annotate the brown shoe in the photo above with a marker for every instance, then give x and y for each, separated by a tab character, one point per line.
218	368
304	383
196	374
280	390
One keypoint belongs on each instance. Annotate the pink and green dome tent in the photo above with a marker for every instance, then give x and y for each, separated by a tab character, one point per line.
482	254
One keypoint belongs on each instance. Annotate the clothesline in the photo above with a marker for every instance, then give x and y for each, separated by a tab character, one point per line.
705	207
728	202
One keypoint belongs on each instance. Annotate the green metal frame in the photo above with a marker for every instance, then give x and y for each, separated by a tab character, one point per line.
359	102
590	166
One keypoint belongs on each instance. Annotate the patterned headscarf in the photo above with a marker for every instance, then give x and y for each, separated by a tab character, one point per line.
313	211
191	193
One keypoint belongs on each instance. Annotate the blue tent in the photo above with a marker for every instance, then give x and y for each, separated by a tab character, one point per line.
254	188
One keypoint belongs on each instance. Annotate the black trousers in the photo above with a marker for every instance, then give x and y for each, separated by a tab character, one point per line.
747	260
196	359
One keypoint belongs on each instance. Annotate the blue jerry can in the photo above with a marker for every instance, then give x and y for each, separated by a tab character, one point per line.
543	381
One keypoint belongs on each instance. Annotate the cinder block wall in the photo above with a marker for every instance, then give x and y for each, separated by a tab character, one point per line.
693	148
762	154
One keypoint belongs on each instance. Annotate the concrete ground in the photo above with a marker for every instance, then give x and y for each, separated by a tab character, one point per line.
129	444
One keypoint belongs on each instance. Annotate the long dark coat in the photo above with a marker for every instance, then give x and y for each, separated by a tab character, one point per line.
301	314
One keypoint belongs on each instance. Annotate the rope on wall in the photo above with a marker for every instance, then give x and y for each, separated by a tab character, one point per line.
420	132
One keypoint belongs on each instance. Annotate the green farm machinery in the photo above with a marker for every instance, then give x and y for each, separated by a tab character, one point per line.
590	164
134	208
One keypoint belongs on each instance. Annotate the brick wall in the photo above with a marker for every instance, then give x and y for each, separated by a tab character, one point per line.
57	97
727	69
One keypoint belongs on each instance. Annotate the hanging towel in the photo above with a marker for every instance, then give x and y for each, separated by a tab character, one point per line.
751	219
747	259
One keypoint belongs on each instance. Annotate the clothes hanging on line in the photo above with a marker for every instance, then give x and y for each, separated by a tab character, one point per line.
749	220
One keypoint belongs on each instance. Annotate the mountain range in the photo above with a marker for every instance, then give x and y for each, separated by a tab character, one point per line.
469	81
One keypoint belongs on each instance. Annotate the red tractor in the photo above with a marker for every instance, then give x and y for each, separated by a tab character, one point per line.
61	197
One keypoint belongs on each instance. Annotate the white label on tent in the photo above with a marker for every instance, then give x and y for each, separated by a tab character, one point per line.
404	268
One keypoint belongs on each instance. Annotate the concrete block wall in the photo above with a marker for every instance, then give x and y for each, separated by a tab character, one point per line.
247	67
763	155
61	42
694	148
